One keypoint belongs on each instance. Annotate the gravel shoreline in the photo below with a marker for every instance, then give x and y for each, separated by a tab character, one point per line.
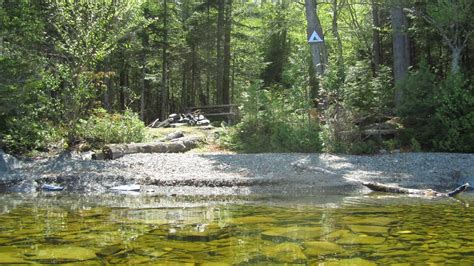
244	174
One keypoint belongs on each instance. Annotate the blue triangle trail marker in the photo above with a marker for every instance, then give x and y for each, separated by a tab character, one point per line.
314	38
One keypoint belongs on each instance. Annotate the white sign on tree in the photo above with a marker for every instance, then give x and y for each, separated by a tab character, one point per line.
314	38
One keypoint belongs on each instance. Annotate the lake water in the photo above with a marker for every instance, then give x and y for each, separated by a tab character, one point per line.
128	229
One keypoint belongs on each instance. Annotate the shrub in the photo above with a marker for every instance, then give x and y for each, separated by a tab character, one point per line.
28	115
455	115
273	137
437	115
102	128
366	95
359	95
418	108
28	134
273	122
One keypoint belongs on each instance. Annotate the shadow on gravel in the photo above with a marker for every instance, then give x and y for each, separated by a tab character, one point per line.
310	174
273	175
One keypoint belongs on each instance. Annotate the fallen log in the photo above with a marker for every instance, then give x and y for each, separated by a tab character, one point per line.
165	123
174	135
114	151
422	192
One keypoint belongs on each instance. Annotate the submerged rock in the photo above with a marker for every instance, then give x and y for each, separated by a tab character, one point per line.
368	229
318	248
338	234
51	255
111	250
10	255
281	234
151	252
349	262
360	240
381	221
251	220
285	252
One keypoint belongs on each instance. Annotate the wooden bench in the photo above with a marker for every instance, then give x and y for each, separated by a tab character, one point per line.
230	111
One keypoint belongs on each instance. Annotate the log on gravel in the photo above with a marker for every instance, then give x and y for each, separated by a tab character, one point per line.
174	135
114	151
165	123
422	192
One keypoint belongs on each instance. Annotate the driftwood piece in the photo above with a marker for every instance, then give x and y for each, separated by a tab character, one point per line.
422	192
174	135
154	123
165	123
114	151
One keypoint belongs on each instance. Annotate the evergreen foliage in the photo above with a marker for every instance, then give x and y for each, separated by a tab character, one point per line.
272	123
60	60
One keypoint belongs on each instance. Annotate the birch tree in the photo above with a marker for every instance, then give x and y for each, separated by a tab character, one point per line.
452	20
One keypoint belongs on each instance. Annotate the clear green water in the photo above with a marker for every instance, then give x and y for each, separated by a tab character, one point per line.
359	231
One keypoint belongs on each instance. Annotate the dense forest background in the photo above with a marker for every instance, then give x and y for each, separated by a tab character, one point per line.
73	68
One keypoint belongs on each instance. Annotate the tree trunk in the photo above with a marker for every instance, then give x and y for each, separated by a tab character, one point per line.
335	32
219	57
207	99
164	74
318	54
143	76
1	46
401	53
376	52
194	74
107	93
184	91
108	90
232	82
123	84
455	59
227	53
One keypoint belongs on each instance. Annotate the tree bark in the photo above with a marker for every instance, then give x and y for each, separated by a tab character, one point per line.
164	74
227	53
184	90
194	74
455	59
207	99
143	76
335	32
219	51
108	90
318	55
401	53
376	52
123	84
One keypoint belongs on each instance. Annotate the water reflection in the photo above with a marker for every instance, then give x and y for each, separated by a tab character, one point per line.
360	231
